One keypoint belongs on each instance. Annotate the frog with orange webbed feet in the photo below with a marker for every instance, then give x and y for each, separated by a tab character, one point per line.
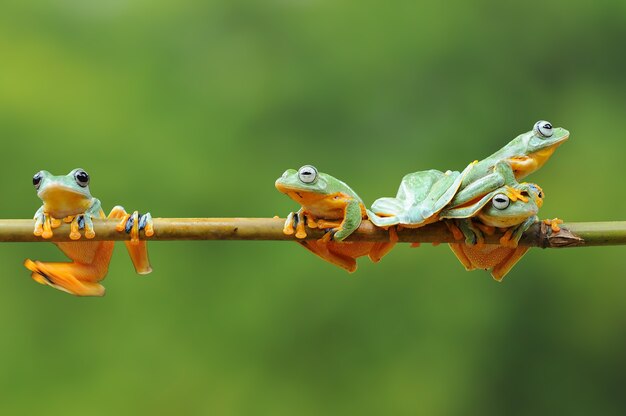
512	209
422	195
67	198
329	204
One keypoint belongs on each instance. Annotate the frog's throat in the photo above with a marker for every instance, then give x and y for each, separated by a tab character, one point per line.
523	167
61	202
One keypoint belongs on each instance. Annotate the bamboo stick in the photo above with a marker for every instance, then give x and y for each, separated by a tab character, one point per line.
571	235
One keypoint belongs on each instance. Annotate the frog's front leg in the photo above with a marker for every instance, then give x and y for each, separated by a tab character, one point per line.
473	234
512	236
502	174
296	222
478	189
351	221
44	223
132	224
43	227
81	222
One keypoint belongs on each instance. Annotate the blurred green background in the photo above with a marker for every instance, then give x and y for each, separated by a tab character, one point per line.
190	108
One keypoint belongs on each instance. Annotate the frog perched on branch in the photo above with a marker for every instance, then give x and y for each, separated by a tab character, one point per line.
67	198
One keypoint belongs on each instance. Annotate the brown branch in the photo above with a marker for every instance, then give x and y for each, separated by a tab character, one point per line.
539	235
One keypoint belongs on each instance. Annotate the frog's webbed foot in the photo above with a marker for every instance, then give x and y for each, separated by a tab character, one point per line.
334	231
296	222
132	224
288	228
515	194
80	222
554	224
74	278
329	235
39	221
44	224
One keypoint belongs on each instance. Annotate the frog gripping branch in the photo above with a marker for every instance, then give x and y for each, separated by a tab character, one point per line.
484	197
428	196
68	199
330	204
471	206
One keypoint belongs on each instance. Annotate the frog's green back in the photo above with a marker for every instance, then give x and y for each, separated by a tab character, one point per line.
528	152
420	197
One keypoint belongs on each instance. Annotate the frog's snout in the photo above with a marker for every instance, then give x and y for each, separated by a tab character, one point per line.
280	181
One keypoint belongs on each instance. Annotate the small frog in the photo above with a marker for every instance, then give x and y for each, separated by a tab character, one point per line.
330	204
67	198
513	208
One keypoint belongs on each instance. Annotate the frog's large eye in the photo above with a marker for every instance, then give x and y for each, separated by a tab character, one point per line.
37	179
537	190
543	128
501	201
82	178
307	174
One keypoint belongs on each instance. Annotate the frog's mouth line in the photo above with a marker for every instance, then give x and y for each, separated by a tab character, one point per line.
560	141
286	189
299	195
59	191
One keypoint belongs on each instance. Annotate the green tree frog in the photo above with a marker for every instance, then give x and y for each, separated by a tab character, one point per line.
328	203
525	154
67	198
512	208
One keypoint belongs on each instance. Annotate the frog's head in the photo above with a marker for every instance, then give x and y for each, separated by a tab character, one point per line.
506	210
297	184
543	136
529	151
63	195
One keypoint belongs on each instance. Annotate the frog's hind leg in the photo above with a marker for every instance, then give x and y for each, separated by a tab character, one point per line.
137	249
460	254
498	259
501	269
388	206
386	211
67	277
320	248
380	249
